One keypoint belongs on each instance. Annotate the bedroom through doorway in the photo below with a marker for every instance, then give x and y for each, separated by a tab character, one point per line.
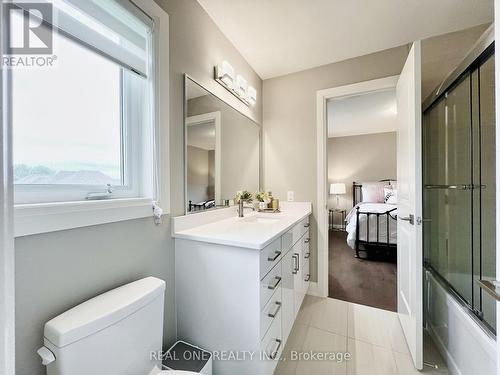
362	201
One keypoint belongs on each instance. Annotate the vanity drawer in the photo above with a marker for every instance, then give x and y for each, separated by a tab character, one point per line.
270	312
269	284
270	256
287	241
272	345
300	229
306	240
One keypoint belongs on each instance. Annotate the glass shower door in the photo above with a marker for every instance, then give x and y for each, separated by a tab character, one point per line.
459	187
447	196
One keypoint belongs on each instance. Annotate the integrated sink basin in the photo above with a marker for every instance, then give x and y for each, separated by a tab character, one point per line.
260	219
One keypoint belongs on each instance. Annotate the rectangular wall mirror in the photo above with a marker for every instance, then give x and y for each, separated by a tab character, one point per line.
222	150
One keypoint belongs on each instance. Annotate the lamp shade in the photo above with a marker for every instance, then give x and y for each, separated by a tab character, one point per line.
338	188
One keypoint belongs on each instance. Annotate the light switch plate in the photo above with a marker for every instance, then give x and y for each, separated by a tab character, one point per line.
290	196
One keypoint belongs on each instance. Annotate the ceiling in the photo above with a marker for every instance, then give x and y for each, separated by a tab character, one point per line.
278	37
362	114
442	54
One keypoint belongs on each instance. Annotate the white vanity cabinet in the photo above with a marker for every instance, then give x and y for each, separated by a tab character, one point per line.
241	303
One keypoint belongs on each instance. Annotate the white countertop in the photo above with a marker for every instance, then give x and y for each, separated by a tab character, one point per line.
255	231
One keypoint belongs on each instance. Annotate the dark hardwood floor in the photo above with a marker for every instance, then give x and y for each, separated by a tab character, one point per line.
371	281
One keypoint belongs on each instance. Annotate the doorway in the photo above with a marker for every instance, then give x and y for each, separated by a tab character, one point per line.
362	204
323	98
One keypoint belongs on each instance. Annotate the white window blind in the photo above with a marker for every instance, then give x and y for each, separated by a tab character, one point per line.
117	29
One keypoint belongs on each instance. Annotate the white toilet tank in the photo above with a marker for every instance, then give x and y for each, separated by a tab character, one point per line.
111	334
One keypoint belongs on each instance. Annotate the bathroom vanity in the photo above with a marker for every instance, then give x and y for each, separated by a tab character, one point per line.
240	283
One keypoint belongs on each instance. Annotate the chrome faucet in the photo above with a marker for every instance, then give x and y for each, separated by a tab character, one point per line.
241	208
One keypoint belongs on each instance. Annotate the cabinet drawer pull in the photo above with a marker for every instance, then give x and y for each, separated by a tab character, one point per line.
275	285
295	261
307	255
307	240
275	352
308	277
298	262
273	315
306	225
276	255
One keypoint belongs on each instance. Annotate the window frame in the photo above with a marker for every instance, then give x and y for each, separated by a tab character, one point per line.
130	151
34	218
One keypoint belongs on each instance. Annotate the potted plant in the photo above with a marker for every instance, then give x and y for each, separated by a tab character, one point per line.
244	195
263	198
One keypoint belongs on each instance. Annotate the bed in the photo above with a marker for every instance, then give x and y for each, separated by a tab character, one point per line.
372	223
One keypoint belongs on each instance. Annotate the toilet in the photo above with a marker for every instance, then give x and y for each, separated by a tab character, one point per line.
116	333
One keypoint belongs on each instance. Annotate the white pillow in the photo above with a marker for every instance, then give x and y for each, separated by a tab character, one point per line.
390	195
372	193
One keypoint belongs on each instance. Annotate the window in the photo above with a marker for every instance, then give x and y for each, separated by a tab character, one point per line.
84	128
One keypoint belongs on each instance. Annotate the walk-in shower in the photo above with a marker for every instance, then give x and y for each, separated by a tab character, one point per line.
459	187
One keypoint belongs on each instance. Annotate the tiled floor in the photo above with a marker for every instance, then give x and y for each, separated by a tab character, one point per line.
373	337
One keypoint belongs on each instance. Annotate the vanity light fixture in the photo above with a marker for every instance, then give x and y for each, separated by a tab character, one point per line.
236	85
224	74
241	86
252	95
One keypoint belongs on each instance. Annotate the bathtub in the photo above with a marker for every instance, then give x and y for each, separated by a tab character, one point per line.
467	347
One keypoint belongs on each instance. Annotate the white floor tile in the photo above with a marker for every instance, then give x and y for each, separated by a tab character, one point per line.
319	341
330	315
368	359
309	305
376	326
373	337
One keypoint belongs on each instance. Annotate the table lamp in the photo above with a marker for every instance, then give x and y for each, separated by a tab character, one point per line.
337	189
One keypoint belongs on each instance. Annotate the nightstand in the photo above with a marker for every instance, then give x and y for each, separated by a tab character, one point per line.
342	213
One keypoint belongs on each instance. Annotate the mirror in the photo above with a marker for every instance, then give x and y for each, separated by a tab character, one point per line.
222	150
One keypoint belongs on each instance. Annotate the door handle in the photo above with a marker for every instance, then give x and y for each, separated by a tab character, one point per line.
410	218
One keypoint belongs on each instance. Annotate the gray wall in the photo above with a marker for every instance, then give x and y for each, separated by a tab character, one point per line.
240	152
289	123
58	270
368	157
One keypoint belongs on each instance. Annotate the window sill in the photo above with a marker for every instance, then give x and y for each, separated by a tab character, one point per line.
39	218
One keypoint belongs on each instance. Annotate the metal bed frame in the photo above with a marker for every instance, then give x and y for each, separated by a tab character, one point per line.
366	245
200	206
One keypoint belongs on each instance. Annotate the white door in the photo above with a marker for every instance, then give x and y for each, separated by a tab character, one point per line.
410	293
